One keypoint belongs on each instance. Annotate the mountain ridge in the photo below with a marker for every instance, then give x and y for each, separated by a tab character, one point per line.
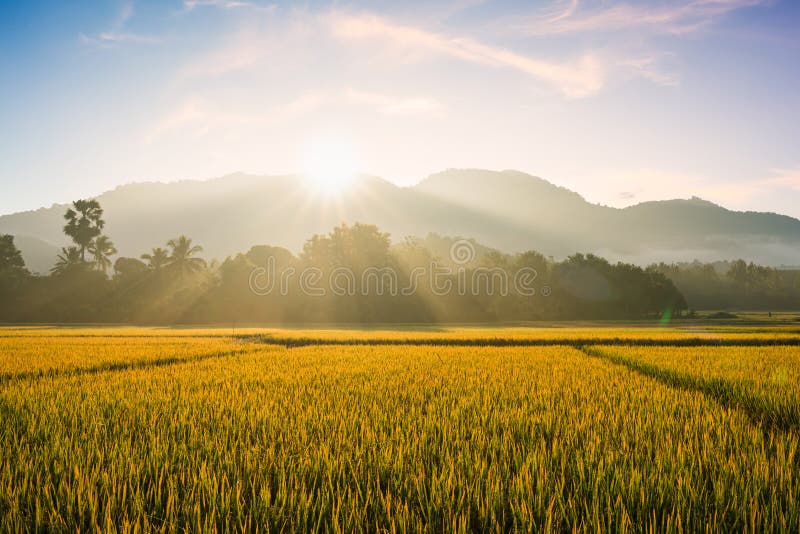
509	210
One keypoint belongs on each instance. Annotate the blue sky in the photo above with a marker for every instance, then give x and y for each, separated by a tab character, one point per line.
620	101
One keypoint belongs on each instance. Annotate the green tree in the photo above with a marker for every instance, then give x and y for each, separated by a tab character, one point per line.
533	260
181	257
12	267
84	224
101	249
357	247
129	267
738	273
69	259
10	256
157	259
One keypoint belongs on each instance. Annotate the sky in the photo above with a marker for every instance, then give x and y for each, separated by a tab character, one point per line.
622	102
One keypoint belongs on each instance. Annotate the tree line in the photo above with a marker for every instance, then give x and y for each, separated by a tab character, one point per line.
174	284
735	285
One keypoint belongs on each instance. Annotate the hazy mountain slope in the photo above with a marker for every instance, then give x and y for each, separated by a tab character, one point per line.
650	231
39	255
508	210
559	220
230	214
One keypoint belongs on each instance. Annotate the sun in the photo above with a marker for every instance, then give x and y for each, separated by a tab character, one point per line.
330	164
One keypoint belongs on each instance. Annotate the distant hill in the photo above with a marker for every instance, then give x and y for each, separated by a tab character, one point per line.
668	230
508	210
39	255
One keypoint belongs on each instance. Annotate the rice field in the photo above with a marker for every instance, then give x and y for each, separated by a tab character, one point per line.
58	355
151	430
559	334
764	381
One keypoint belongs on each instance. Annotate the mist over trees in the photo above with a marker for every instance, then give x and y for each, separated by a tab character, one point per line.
354	274
13	274
735	285
507	210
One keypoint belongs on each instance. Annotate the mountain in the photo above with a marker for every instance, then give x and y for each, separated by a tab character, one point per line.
39	255
668	230
509	210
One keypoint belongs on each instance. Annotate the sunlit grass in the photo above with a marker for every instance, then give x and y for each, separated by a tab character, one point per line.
764	381
394	438
26	356
600	334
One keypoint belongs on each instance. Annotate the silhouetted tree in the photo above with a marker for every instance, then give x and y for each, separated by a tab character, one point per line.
181	257
582	286
69	259
157	259
734	285
412	253
101	249
84	223
12	267
358	246
10	256
127	268
738	273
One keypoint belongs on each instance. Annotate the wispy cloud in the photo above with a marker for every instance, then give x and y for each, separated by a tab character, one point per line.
197	115
637	22
239	55
189	5
125	13
576	79
651	67
784	178
110	38
445	10
116	33
390	105
248	50
681	17
225	4
253	49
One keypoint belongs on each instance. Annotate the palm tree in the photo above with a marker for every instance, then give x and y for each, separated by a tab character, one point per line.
157	259
84	223
181	258
100	249
68	259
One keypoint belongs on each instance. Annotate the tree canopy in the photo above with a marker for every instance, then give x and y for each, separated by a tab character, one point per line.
354	273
